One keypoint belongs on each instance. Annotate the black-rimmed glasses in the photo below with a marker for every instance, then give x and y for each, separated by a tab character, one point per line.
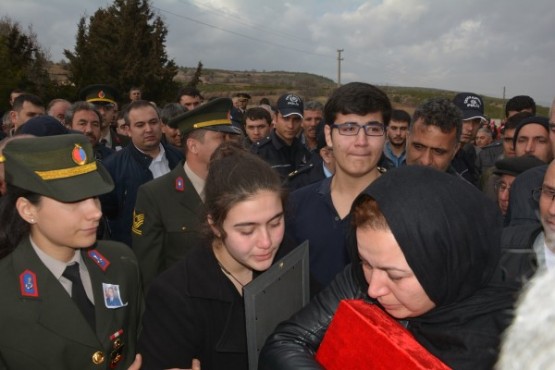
543	192
353	128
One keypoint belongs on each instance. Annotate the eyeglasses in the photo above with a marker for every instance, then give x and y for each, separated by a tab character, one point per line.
353	128
548	193
501	186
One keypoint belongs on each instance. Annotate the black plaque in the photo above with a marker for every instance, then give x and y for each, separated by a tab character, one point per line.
273	297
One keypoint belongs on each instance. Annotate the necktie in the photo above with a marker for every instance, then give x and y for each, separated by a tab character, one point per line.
78	294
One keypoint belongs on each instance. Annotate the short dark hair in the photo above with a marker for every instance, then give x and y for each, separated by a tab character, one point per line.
440	112
77	107
257	113
234	175
33	99
400	115
519	103
357	98
314	105
189	91
136	105
513	121
170	111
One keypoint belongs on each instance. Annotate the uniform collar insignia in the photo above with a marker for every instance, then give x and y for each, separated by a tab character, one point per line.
179	184
99	259
28	284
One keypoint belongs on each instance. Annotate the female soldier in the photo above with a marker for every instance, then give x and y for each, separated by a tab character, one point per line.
195	309
427	247
54	275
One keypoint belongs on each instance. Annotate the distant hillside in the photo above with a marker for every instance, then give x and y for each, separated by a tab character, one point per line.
271	84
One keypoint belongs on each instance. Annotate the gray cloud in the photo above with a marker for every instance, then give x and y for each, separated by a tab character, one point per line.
473	45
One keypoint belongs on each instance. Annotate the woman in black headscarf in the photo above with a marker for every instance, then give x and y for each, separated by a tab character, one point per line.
427	245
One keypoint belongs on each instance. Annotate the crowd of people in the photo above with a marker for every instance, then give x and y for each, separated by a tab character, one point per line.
128	231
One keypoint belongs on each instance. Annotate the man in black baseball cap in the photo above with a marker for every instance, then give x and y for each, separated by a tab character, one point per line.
282	149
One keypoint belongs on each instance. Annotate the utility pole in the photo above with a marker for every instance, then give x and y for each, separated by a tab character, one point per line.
339	59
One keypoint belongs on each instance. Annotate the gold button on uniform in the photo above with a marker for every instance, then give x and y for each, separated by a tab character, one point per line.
98	357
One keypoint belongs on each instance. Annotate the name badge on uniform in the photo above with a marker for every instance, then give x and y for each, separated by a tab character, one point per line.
112	296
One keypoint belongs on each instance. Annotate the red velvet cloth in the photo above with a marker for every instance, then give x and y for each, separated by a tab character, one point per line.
363	336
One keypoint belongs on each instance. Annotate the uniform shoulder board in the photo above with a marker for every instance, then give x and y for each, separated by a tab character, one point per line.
303	169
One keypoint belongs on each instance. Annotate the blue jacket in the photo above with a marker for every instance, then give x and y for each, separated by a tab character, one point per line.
129	170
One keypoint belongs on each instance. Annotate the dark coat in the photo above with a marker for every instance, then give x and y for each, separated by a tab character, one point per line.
48	331
194	311
129	170
312	172
189	315
173	214
283	158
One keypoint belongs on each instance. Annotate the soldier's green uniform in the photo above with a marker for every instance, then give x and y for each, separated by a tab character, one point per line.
41	326
169	212
167	220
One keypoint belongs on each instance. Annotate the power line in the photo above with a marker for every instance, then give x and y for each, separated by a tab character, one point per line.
243	22
265	42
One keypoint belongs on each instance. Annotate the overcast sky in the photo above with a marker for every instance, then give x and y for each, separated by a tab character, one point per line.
470	45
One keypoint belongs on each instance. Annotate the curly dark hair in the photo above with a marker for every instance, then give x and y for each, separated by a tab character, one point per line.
439	112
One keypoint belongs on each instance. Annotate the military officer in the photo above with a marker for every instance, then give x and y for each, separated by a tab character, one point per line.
54	274
104	98
169	210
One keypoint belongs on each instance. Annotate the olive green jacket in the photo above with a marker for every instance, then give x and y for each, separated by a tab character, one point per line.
167	222
42	328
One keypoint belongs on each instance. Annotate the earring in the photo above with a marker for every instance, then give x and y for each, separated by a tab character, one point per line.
32	221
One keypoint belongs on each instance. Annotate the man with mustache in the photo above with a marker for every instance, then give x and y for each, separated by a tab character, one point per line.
83	117
313	114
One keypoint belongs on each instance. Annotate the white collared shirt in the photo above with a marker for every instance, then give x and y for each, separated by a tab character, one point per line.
159	165
196	180
57	268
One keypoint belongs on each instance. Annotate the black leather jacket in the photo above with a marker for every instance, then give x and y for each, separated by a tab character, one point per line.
464	335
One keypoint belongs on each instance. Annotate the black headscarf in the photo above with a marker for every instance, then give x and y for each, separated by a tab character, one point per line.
450	235
447	229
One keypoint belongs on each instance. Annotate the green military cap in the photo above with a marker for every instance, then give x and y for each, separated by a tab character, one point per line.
214	115
62	167
99	94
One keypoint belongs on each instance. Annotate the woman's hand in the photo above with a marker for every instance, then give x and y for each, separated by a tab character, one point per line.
136	365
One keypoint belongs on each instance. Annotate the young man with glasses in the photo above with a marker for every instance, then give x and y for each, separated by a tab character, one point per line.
356	116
